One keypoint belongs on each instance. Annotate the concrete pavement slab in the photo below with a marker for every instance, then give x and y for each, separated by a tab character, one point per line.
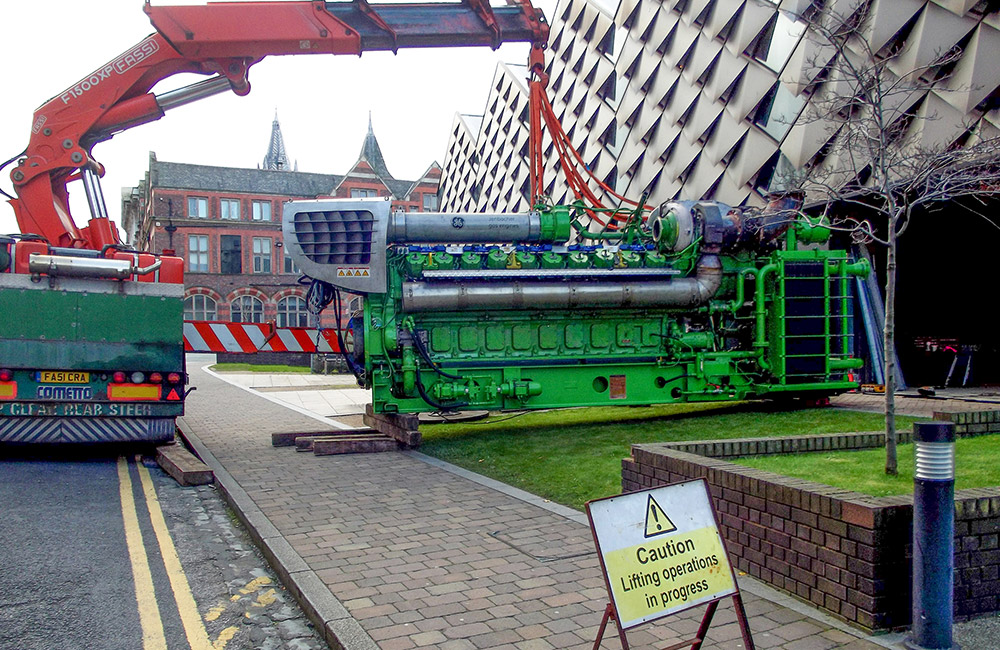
422	555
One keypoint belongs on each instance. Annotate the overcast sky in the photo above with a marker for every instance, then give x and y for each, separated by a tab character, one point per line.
323	101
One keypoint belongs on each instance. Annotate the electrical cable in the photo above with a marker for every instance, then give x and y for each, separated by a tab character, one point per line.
509	417
438	405
355	370
422	350
4	164
319	296
427	357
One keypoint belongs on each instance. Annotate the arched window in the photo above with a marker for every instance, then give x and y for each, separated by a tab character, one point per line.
200	307
292	312
247	309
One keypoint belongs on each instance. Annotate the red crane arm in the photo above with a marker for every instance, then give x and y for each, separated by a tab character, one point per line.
222	39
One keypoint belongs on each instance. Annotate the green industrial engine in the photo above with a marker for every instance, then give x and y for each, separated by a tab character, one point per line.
698	302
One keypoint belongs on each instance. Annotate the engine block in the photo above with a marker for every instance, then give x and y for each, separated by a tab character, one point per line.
699	302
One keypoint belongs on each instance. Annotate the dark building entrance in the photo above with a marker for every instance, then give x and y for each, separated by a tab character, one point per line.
947	304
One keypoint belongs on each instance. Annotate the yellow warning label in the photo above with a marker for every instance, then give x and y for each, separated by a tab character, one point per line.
351	272
657	522
660	577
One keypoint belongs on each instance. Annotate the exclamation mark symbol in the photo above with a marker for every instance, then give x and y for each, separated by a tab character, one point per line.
657	521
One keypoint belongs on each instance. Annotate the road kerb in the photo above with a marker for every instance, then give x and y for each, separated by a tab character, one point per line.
325	611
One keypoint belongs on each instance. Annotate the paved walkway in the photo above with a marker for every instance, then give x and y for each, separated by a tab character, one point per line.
325	395
338	395
397	551
908	402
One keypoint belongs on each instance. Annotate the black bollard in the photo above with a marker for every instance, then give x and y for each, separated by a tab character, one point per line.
933	536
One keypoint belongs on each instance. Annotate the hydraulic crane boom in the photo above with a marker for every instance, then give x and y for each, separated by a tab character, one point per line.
223	40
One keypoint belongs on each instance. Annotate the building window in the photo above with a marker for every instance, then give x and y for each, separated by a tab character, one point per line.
229	209
358	193
292	312
198	253
290	265
197	207
200	308
246	309
261	255
778	111
261	210
430	202
231	254
774	45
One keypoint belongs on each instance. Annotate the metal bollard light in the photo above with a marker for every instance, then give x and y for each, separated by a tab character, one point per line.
933	536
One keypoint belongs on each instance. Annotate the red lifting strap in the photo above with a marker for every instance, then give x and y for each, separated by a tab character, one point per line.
540	110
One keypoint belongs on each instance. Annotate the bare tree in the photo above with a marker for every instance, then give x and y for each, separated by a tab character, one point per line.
886	155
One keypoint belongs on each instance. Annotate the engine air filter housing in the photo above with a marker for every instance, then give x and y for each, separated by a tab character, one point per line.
340	242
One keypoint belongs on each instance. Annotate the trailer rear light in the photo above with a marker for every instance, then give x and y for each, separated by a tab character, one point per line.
155	377
6	375
174	378
137	377
134	392
118	377
8	390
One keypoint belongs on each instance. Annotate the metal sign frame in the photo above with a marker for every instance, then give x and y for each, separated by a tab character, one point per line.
612	612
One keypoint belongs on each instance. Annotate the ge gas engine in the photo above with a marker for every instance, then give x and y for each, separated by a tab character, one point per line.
698	302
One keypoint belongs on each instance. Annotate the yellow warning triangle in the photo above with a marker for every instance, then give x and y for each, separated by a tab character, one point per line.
657	521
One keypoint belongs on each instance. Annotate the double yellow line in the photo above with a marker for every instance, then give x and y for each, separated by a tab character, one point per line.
153	636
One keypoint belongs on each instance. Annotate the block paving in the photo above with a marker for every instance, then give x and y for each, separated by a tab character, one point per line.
422	557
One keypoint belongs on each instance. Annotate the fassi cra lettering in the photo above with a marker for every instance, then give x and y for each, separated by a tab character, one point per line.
121	65
140	53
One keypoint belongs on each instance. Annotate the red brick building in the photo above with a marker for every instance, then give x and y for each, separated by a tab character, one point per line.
226	224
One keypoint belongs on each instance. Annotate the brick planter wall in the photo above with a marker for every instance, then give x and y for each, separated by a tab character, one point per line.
847	553
266	358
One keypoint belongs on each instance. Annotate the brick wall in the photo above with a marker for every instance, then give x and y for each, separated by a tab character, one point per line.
847	553
974	423
267	358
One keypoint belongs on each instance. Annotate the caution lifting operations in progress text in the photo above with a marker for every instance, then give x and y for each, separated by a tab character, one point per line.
661	551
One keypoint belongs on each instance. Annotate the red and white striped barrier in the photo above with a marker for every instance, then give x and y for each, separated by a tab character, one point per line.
212	336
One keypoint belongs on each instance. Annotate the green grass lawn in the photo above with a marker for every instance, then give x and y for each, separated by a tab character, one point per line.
250	367
864	471
573	455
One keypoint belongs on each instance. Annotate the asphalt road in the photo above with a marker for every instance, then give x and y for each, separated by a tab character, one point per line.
108	552
61	547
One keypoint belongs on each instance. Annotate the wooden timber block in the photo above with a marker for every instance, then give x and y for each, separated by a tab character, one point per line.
184	466
404	428
359	444
288	439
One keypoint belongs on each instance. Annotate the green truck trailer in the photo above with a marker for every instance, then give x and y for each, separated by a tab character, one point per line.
84	359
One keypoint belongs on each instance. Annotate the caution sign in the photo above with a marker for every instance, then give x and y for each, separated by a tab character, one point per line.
352	272
661	551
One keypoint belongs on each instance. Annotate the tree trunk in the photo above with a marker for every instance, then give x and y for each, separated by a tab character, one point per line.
889	345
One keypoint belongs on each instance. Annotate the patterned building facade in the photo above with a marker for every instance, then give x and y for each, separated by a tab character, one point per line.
226	224
705	99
